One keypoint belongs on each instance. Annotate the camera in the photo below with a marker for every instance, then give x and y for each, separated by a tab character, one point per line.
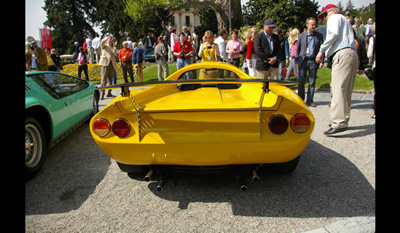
182	53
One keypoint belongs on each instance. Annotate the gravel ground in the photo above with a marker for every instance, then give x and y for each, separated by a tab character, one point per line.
80	189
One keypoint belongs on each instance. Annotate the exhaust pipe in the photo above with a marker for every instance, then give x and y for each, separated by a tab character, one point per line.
255	176
243	185
148	176
160	186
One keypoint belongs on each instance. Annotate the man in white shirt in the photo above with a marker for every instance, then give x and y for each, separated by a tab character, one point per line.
339	46
89	42
220	41
96	47
128	40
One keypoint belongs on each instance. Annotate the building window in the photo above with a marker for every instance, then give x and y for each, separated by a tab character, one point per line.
187	20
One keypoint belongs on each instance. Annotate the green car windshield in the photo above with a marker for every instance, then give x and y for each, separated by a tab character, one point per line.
59	85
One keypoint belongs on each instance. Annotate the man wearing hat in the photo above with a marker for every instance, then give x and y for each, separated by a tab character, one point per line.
267	48
339	47
35	57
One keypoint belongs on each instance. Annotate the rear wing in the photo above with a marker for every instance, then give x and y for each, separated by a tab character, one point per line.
125	86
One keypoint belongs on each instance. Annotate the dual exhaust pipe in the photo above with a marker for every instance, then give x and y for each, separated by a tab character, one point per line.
243	185
161	184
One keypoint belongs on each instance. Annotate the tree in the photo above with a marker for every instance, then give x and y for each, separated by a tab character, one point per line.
137	9
349	6
70	22
286	13
340	6
115	20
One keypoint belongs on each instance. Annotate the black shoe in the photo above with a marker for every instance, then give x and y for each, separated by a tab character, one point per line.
331	131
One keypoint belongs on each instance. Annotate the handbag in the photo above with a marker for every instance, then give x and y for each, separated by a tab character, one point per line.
370	74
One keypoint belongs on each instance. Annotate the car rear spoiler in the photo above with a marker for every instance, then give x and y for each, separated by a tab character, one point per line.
125	86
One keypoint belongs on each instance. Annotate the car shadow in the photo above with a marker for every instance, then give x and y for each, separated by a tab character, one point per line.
325	184
72	170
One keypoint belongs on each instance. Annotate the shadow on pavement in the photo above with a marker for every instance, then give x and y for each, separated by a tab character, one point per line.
325	184
70	174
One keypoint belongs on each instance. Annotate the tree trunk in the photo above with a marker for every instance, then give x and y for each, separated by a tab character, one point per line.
223	17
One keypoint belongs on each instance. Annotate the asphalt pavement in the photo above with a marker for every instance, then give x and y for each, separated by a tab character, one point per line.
80	189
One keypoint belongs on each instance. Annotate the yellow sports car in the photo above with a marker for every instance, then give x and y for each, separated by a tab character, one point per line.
204	116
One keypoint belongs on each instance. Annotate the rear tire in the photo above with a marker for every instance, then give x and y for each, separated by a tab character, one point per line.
35	147
96	98
285	168
132	169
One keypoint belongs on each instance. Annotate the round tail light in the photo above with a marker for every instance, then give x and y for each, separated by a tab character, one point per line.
300	123
121	127
101	127
278	124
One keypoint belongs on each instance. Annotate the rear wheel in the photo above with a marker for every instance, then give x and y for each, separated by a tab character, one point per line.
35	147
95	103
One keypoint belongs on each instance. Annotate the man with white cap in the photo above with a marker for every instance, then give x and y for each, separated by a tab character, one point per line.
339	47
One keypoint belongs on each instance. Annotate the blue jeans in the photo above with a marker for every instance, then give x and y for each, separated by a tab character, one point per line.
182	63
311	66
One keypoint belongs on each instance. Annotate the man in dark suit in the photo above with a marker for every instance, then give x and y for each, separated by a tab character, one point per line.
308	46
267	48
149	41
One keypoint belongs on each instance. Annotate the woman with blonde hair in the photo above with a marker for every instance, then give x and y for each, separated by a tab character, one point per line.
251	54
293	37
208	52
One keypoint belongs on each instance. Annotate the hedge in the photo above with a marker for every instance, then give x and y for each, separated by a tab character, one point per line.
94	71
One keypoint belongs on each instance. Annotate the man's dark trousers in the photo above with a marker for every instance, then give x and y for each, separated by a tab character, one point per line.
310	65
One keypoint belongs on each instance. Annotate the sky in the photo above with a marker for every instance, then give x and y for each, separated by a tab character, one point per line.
35	16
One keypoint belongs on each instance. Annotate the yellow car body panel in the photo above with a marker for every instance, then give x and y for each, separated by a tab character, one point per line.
204	127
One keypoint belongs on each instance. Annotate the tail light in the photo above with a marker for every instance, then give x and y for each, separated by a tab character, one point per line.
278	124
101	127
300	123
121	127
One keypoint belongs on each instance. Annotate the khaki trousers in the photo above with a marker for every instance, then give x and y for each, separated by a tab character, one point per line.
344	69
107	74
139	72
272	73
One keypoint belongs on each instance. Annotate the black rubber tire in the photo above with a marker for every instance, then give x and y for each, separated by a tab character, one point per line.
132	169
35	147
285	168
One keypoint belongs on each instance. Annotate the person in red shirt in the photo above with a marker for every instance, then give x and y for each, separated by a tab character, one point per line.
125	56
183	50
251	53
84	46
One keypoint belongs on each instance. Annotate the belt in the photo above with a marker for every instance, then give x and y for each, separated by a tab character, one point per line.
309	58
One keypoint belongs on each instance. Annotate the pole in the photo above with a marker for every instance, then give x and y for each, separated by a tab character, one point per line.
230	18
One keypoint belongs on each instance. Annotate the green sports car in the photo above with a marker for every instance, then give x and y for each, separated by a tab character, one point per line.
55	105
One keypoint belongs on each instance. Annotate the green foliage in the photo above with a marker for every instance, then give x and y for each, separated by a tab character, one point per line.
69	20
139	9
208	22
286	13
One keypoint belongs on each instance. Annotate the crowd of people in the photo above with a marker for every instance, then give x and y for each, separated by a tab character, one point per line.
348	48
